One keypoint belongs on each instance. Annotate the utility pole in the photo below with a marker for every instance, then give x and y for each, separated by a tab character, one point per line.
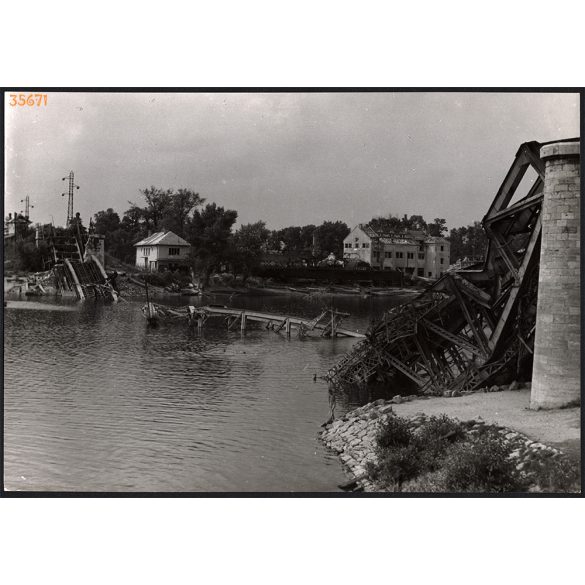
72	186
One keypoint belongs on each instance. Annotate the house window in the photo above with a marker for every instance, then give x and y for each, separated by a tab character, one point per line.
348	245
376	255
421	257
430	274
441	248
420	271
442	260
388	254
356	240
365	245
422	247
174	251
146	251
399	254
410	255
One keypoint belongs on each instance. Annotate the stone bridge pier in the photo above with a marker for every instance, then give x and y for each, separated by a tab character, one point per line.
556	375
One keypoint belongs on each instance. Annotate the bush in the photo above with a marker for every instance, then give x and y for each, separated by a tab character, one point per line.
441	428
434	437
398	465
431	482
481	465
555	475
223	279
395	432
438	457
166	278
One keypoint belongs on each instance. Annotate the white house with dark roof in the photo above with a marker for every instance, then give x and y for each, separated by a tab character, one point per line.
411	252
162	251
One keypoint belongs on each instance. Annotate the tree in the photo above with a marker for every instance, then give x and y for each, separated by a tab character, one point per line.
289	236
468	241
177	213
158	204
132	221
306	237
106	222
248	243
415	223
164	209
395	224
389	224
208	233
331	235
438	228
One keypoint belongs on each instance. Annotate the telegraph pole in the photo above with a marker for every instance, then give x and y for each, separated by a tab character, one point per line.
72	186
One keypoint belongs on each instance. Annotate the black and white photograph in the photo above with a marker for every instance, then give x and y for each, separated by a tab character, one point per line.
267	291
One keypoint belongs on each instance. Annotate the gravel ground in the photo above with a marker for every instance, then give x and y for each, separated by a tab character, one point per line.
559	428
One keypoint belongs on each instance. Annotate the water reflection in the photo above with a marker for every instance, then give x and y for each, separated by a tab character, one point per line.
95	400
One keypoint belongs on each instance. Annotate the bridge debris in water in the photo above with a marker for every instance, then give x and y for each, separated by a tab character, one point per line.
473	324
327	323
74	267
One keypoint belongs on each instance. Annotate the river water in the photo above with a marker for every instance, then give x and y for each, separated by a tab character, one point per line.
96	401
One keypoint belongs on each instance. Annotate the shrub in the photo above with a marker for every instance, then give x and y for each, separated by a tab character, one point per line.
398	465
395	432
438	428
166	278
431	482
434	437
223	279
481	465
556	475
439	457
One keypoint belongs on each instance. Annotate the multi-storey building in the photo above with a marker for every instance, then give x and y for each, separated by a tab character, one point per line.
411	252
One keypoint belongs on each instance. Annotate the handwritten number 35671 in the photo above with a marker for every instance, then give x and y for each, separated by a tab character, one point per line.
31	99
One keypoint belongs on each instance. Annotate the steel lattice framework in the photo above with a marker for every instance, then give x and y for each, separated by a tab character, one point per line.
471	324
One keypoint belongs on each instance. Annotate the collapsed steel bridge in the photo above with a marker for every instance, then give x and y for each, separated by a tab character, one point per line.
473	324
73	265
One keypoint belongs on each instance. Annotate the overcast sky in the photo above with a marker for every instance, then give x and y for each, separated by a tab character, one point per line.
285	158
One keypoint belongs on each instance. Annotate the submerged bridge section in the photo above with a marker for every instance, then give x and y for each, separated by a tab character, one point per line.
471	325
328	323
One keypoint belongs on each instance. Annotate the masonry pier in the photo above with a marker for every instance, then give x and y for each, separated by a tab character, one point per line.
557	351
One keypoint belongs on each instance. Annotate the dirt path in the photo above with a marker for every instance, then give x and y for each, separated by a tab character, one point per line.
560	428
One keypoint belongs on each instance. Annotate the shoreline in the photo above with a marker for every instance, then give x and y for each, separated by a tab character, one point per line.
531	435
130	286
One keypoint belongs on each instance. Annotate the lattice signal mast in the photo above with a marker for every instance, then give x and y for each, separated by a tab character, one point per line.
72	186
27	205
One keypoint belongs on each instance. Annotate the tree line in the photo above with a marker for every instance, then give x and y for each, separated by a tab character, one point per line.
209	228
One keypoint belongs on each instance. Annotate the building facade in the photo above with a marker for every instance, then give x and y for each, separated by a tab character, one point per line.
15	226
162	251
412	252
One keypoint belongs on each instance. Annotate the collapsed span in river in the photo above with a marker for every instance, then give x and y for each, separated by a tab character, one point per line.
327	323
472	324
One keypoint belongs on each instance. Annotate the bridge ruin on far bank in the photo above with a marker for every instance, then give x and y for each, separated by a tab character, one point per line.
517	314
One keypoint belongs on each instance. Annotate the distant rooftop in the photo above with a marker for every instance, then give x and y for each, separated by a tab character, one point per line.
163	238
408	236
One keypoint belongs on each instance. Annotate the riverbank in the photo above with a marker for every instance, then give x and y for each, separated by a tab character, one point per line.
531	437
131	286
